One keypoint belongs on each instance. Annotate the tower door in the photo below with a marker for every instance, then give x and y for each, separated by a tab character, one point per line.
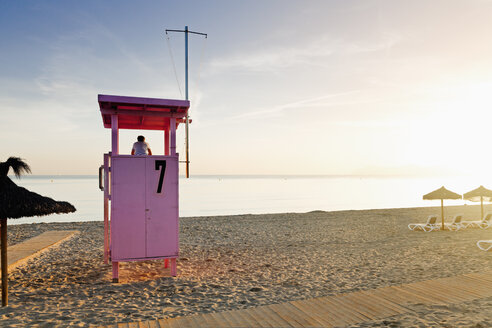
128	208
162	206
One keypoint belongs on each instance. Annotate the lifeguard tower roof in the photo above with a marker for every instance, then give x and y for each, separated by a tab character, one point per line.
142	113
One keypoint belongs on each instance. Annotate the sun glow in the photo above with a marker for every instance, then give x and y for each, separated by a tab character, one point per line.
453	130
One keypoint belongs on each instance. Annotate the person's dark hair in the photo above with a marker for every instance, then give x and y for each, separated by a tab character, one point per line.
140	138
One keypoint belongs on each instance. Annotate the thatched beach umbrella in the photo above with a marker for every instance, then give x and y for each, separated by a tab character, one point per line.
17	202
479	195
442	193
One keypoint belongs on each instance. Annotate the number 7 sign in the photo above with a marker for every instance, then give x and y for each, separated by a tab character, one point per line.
160	164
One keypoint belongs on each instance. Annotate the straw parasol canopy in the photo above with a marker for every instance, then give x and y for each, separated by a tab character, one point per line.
479	195
17	202
441	193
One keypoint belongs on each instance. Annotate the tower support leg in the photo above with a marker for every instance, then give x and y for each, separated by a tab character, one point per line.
173	267
116	267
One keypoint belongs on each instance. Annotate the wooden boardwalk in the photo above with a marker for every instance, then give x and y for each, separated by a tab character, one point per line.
338	310
19	254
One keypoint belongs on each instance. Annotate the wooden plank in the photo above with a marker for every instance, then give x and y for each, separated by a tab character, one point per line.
196	320
313	321
233	318
353	306
433	294
217	320
346	313
482	290
178	322
153	324
246	317
450	295
329	311
412	295
170	323
481	276
262	321
396	307
379	309
371	309
478	282
204	320
123	325
461	288
272	317
288	316
453	286
226	318
430	291
335	313
143	324
185	322
322	316
391	295
425	297
359	306
263	316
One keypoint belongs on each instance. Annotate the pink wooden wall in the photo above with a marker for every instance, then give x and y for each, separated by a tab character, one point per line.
144	221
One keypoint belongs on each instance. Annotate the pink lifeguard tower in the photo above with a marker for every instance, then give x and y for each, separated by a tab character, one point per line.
143	223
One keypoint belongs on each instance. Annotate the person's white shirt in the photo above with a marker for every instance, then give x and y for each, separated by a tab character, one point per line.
140	148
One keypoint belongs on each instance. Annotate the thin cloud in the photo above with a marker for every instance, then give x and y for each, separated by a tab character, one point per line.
284	57
372	123
310	102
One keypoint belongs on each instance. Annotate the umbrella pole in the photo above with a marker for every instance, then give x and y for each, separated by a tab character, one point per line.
3	239
442	214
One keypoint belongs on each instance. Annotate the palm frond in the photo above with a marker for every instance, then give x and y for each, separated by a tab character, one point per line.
18	166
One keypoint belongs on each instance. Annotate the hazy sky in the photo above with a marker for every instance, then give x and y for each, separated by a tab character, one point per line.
279	87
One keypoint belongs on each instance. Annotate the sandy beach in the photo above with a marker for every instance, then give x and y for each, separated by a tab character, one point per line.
234	262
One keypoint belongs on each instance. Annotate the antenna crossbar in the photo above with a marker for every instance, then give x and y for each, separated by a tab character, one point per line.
187	31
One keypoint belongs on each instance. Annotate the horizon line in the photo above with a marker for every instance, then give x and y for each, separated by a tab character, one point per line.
266	175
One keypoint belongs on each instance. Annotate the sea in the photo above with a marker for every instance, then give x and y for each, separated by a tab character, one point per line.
213	195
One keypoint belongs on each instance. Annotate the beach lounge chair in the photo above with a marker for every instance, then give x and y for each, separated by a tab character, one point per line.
484	245
484	224
456	224
427	227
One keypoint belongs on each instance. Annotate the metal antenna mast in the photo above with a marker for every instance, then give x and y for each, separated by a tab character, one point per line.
186	32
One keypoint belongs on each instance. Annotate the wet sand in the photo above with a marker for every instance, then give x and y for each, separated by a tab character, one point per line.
241	261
